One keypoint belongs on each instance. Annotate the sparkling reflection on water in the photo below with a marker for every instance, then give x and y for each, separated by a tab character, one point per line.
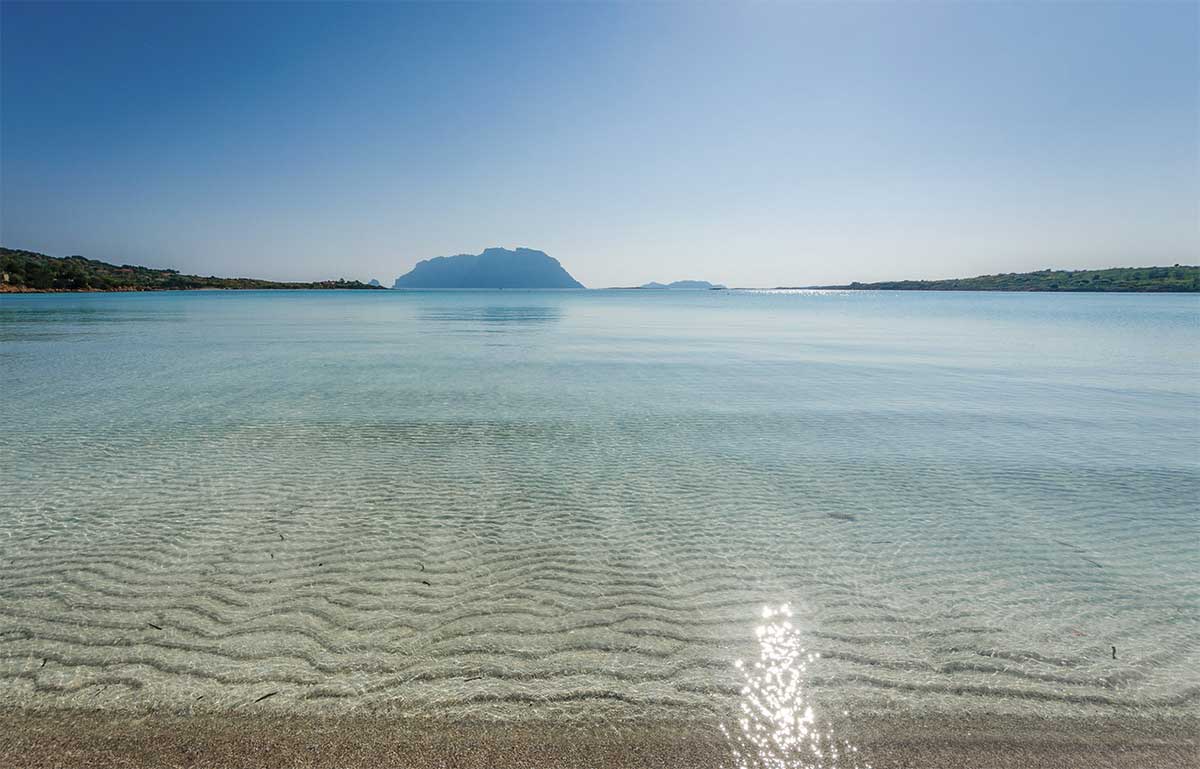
777	727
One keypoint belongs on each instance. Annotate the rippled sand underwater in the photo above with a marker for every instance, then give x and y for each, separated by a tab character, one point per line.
576	505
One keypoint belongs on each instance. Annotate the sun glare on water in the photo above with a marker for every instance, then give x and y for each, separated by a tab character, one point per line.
777	728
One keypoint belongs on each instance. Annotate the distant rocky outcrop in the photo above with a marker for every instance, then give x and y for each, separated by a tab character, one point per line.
494	268
692	284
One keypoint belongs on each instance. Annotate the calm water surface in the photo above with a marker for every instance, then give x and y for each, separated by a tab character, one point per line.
577	504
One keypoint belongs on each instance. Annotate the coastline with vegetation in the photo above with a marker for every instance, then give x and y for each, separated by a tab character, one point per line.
1178	278
24	272
33	272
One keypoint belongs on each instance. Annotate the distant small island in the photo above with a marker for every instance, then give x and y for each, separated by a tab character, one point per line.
494	268
1116	279
31	272
702	285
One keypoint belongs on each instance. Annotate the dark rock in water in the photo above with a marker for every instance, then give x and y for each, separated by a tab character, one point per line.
494	268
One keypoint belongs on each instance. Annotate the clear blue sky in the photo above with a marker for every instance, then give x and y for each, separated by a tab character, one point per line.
755	144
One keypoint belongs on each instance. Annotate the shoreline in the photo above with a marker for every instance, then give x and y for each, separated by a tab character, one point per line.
5	289
33	738
13	290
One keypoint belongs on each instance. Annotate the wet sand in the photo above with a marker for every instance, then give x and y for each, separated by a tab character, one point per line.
58	738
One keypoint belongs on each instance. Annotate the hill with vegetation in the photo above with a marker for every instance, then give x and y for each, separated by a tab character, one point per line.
1124	279
25	271
494	268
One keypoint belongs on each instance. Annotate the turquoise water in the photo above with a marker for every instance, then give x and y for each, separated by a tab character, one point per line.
576	504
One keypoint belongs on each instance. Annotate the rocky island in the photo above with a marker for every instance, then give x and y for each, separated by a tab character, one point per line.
695	285
494	268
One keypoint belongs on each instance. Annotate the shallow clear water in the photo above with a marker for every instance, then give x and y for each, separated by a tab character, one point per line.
577	504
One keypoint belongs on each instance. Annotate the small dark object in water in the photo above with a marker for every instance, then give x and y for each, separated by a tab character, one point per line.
423	582
43	662
280	537
843	516
422	566
156	627
268	694
200	697
1097	564
1114	652
272	556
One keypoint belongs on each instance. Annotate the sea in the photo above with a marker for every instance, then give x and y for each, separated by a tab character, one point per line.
601	506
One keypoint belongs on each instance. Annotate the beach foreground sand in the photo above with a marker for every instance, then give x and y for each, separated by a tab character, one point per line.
98	739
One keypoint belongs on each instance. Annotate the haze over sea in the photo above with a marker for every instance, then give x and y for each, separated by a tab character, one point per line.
575	504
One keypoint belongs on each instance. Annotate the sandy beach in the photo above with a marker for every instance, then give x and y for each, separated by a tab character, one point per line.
60	738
